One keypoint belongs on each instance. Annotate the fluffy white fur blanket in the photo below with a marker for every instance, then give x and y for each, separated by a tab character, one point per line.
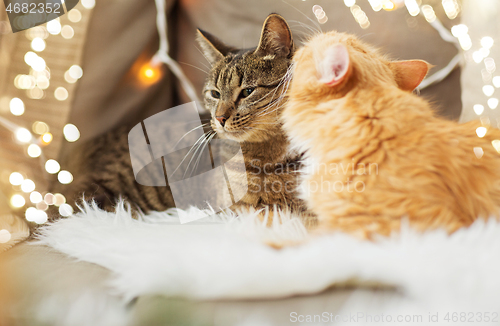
226	258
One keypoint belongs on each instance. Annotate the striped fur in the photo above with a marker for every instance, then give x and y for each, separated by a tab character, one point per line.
104	174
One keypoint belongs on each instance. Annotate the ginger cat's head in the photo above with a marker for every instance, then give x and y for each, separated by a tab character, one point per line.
333	64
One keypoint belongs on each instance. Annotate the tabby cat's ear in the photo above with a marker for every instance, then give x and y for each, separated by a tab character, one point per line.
213	48
409	74
276	38
335	65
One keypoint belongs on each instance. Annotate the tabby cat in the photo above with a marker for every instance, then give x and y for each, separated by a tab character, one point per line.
376	153
244	92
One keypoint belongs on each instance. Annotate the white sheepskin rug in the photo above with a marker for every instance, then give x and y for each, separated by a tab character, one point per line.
227	257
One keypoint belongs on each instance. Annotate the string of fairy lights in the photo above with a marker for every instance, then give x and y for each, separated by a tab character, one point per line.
37	82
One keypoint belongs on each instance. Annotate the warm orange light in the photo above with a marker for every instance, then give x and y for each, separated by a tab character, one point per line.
46	138
149	74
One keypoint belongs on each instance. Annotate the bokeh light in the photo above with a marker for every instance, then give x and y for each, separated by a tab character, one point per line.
75	72
34	150
61	94
67	32
88	4
36	197
493	103
49	199
30	58
478	109
27	185
47	138
59	199
68	78
38	44
16	178
23	135
16	106
65	177
40	127
487	42
360	16
459	30
349	3
74	15
42	82
38	64
42	206
17	201
54	27
35	215
412	7
496	81
429	13
496	145
5	236
451	8
52	166
71	132
24	82
149	74
478	151
488	90
481	132
36	93
41	217
30	214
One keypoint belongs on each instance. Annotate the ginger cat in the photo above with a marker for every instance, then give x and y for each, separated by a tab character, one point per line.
376	153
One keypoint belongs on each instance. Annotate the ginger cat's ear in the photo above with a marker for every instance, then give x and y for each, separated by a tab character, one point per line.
213	48
335	65
409	74
276	38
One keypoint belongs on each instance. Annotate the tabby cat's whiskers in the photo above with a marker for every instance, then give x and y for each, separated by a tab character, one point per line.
311	30
273	92
188	64
190	131
201	145
285	80
189	152
308	18
200	153
277	104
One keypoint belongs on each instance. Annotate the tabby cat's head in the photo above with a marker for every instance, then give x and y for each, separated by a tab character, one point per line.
245	89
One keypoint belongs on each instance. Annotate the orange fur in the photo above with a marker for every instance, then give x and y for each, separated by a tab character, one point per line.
427	168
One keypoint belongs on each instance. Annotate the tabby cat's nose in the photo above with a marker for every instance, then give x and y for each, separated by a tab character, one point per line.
222	119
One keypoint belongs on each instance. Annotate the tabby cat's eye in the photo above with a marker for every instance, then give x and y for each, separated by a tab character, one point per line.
215	94
247	91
